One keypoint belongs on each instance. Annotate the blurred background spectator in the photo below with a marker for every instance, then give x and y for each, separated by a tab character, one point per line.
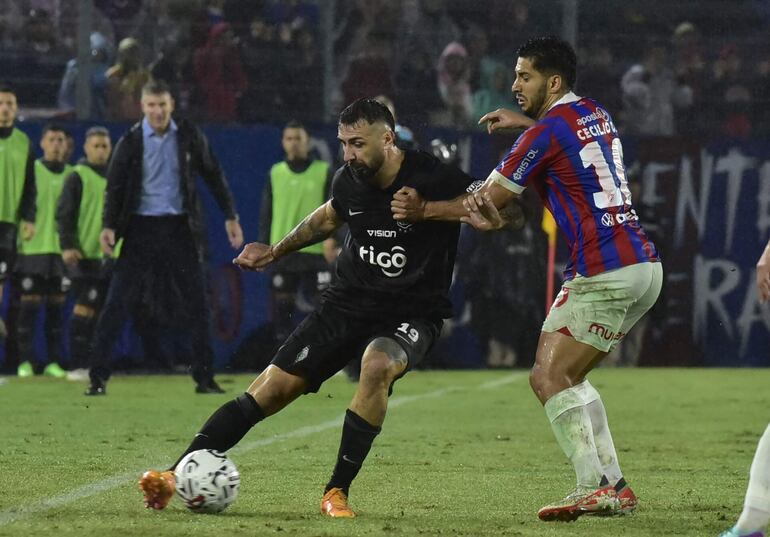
651	94
494	92
220	75
125	80
732	89
667	67
597	64
35	60
100	63
454	87
173	65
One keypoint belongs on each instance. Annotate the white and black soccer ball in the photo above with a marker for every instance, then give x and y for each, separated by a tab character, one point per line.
207	481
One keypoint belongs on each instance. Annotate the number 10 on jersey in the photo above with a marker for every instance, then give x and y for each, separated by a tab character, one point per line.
615	192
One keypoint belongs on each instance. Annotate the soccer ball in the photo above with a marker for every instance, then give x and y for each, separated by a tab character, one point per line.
207	481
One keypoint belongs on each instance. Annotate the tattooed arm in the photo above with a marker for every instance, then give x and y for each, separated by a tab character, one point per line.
317	226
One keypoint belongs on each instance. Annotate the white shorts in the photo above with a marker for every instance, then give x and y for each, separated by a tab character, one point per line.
600	310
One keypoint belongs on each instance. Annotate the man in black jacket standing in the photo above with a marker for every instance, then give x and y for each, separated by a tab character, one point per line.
152	203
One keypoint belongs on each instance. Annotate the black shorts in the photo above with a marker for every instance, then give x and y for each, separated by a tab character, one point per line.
329	338
7	257
90	291
34	284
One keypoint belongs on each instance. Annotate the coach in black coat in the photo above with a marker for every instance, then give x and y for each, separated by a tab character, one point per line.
152	204
124	186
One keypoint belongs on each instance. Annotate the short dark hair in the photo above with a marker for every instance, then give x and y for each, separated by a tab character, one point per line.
368	109
551	55
5	87
53	127
294	124
97	131
155	87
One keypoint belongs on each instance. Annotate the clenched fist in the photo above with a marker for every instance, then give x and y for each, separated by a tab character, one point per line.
255	256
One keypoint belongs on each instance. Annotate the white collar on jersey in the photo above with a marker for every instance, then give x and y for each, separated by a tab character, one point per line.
568	97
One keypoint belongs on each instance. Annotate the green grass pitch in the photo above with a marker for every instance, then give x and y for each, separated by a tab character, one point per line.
461	454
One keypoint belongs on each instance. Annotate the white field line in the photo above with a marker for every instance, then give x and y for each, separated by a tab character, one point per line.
91	489
502	381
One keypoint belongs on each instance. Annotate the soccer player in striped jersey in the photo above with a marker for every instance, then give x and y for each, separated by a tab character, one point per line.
572	156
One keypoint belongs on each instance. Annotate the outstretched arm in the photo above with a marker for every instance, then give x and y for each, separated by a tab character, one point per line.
408	205
503	120
317	226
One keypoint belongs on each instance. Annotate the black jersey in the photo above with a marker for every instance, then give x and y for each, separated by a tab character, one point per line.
389	267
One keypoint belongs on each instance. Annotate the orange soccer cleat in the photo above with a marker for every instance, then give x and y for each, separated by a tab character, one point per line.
580	502
335	504
158	488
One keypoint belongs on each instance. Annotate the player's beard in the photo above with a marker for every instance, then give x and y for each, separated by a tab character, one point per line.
536	103
364	172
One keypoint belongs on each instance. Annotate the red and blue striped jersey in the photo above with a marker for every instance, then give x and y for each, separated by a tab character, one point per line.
574	160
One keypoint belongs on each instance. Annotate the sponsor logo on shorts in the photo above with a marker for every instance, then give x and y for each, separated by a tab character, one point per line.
27	283
605	333
301	355
3	267
323	278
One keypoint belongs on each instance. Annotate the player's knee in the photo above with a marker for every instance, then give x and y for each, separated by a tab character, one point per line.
543	376
383	361
274	388
536	378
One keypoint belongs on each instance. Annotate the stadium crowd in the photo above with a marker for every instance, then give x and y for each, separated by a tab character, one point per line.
672	69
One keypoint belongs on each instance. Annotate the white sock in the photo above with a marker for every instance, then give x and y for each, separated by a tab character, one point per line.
572	428
756	508
605	448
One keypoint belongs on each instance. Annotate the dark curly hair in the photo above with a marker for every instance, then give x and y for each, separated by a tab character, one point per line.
551	55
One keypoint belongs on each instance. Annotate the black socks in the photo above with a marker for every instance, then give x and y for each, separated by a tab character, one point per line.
25	330
53	328
357	438
226	426
81	333
230	423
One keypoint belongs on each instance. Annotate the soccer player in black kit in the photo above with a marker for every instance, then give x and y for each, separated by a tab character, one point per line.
387	304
